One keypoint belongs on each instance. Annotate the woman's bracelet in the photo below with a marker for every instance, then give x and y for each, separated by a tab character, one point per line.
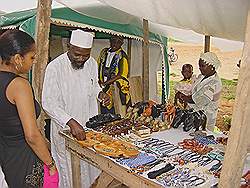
51	164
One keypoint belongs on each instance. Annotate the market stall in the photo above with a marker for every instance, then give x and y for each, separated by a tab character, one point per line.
238	143
106	164
152	146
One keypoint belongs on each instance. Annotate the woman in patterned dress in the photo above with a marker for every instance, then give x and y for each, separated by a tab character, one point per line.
23	150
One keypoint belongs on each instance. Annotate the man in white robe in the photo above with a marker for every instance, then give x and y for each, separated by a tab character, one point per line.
69	97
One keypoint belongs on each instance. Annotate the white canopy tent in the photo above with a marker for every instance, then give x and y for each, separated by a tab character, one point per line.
228	19
187	21
219	18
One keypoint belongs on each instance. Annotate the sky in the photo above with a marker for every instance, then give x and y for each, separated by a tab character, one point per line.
18	5
224	45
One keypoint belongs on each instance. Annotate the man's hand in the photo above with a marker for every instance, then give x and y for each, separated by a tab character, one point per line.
104	98
76	129
100	83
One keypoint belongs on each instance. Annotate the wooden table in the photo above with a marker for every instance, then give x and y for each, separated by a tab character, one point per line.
110	169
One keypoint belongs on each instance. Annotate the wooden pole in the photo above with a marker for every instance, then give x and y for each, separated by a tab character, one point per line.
145	58
129	51
207	44
239	133
42	45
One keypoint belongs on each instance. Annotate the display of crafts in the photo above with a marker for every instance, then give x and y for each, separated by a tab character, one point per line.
189	119
167	169
195	146
118	127
101	120
178	165
187	151
106	145
149	114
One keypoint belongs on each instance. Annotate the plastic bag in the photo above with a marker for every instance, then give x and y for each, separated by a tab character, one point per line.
48	180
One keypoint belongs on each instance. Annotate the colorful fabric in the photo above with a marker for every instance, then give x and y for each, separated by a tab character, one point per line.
107	71
205	94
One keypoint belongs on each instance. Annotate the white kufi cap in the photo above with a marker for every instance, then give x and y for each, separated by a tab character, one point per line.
81	39
211	58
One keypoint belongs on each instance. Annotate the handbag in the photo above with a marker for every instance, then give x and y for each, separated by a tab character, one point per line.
50	181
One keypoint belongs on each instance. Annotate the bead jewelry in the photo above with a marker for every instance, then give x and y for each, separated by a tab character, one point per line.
205	140
140	160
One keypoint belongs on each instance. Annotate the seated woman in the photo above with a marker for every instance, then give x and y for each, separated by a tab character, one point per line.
207	89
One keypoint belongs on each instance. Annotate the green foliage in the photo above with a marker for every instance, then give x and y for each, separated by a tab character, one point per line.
229	89
173	74
171	88
227	121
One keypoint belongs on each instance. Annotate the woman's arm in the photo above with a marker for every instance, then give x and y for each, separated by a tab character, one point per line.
20	93
185	98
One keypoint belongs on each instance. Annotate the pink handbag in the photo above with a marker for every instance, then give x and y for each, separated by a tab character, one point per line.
50	181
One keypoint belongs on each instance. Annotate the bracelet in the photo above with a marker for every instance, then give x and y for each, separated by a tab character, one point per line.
51	164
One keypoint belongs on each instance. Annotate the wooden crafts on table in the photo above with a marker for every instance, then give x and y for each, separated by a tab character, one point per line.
106	145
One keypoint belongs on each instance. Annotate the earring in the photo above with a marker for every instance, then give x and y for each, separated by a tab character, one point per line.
18	65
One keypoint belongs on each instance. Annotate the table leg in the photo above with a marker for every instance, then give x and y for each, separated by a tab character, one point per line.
76	171
104	180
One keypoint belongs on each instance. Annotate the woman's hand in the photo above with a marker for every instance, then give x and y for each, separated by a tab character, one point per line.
52	170
179	95
184	98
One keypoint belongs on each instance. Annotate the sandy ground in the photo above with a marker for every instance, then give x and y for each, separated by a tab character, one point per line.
189	53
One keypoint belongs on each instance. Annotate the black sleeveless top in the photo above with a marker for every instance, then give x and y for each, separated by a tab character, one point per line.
21	166
10	123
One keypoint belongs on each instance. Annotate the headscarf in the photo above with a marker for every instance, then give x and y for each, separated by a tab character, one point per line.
211	58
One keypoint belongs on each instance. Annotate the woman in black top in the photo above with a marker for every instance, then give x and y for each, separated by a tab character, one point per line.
22	148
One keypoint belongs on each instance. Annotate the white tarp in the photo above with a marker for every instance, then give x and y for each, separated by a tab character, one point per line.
189	36
219	18
179	19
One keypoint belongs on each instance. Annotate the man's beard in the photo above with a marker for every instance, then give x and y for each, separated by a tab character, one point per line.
77	66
